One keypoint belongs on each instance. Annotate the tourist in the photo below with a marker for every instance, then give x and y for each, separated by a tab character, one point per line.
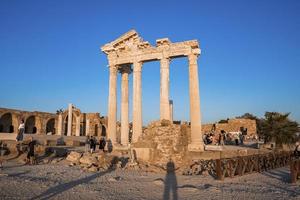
92	144
241	137
102	143
87	143
30	154
222	138
2	151
297	150
236	139
21	131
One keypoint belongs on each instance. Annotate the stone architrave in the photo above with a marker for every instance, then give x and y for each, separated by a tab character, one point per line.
112	105
125	71
70	108
164	89
137	121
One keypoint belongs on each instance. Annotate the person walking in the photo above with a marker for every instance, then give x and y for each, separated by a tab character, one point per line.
92	144
21	131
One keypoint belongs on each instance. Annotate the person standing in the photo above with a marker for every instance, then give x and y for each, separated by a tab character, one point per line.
21	131
92	144
2	151
102	143
30	154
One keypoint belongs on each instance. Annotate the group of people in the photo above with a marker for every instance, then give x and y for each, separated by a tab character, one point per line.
221	138
91	143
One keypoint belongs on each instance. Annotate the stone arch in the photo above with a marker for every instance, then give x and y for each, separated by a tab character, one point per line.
50	126
30	126
103	130
6	124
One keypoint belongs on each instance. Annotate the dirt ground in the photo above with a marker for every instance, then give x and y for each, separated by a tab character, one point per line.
60	181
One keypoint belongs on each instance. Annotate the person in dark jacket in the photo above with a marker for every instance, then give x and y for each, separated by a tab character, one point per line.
30	154
92	144
102	143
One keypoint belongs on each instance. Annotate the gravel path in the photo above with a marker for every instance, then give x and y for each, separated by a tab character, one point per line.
59	181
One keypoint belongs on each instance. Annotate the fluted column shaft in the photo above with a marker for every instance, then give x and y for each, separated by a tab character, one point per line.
112	105
137	101
87	127
164	88
195	115
77	131
124	106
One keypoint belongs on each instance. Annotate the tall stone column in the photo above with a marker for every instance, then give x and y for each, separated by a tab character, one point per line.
137	121
77	131
124	105
164	88
69	133
195	115
59	124
87	127
112	105
171	111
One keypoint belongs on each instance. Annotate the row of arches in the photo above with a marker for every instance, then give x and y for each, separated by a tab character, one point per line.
7	125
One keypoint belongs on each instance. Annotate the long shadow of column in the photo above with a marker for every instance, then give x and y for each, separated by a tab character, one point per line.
170	182
51	192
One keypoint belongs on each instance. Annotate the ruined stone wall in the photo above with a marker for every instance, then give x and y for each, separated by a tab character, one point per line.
233	125
34	121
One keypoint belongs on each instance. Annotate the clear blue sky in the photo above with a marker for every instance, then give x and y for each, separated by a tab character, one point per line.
250	61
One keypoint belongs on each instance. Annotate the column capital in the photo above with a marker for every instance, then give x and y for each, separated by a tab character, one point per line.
193	58
113	69
137	66
125	69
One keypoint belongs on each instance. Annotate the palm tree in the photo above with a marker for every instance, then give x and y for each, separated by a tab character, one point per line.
279	128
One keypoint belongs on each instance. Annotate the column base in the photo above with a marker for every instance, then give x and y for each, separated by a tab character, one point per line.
199	147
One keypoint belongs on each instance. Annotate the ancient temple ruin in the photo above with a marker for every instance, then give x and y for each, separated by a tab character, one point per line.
126	55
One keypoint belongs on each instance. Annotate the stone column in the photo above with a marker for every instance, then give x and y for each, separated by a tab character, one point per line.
69	133
112	105
164	88
171	111
195	115
87	127
137	121
59	124
124	105
77	132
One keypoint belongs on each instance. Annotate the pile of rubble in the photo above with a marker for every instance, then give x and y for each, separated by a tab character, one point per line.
96	161
168	141
200	167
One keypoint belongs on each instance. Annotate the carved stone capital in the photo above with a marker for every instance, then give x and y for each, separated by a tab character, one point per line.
137	66
113	69
125	69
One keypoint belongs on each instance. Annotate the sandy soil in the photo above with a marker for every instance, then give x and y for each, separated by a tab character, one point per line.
59	181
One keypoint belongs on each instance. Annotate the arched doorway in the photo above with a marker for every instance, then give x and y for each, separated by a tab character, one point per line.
30	127
103	133
6	123
50	126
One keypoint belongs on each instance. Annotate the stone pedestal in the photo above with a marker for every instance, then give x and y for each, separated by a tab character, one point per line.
195	115
112	105
137	101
